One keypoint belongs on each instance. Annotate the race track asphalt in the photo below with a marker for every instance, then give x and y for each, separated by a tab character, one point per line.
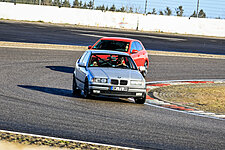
36	98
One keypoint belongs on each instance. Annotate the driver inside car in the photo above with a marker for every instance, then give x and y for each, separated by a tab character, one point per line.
94	62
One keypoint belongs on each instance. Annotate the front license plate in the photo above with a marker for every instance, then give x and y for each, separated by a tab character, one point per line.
117	88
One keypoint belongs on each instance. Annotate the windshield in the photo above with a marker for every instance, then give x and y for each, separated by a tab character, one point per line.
112	45
112	61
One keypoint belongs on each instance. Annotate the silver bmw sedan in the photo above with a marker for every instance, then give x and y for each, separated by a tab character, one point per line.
108	73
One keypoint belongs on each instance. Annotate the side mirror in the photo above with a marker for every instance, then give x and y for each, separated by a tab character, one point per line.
81	64
142	68
134	51
89	47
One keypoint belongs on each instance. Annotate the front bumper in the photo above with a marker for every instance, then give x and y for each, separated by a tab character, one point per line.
106	90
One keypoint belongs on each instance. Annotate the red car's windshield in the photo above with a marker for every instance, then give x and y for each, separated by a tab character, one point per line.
112	45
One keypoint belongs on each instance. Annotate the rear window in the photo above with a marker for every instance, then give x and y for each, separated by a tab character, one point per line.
112	45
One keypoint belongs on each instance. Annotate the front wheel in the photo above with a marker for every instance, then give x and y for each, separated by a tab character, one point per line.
86	89
140	100
75	90
146	65
144	73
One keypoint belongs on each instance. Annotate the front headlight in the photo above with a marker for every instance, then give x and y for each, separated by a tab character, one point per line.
99	80
136	82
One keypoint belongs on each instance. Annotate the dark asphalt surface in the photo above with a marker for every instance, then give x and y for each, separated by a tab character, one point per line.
47	33
35	96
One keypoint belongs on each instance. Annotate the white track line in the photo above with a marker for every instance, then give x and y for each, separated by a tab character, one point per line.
186	112
170	81
129	34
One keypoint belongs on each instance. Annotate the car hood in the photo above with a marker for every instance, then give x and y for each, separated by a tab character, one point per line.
115	73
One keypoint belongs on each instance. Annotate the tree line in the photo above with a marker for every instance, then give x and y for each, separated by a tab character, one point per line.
179	12
168	12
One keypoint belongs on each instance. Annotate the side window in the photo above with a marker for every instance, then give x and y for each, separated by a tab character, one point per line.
138	46
133	46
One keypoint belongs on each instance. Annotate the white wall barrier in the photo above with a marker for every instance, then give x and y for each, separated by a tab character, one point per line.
171	24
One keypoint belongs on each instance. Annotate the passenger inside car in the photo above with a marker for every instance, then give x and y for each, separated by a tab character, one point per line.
121	62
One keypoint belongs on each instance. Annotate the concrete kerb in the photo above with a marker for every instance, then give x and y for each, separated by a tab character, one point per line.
155	99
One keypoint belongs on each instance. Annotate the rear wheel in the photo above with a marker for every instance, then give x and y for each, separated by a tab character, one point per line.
140	100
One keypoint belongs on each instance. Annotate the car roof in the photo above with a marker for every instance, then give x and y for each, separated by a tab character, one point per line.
108	52
118	39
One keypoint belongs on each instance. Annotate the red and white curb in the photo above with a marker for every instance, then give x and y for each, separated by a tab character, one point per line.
163	103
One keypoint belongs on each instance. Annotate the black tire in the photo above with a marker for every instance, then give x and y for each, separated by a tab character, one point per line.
86	89
140	100
74	87
144	73
146	65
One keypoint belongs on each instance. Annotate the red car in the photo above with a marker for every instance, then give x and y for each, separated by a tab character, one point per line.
131	46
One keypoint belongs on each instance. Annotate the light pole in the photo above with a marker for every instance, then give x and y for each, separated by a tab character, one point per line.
146	5
197	7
